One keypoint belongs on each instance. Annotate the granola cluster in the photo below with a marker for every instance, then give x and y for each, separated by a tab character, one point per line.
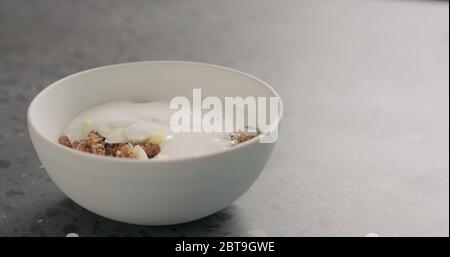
95	143
240	137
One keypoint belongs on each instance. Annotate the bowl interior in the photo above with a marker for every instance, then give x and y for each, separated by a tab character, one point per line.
56	105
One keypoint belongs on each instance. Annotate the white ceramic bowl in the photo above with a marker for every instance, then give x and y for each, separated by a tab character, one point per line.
147	192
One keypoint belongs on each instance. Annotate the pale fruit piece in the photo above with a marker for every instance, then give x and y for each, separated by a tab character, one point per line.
139	131
117	135
85	128
139	153
105	130
157	137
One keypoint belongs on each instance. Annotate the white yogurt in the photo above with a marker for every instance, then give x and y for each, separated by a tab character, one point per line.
122	121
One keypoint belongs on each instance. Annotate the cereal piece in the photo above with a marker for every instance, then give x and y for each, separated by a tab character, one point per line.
92	144
243	137
98	149
111	149
150	149
240	137
64	140
83	146
94	138
125	152
75	144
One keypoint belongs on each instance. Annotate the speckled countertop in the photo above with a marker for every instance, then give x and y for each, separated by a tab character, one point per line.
364	147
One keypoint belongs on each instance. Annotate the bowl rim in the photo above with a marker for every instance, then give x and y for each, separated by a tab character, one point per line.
43	92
